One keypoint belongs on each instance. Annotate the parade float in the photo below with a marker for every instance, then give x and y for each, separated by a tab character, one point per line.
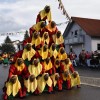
43	64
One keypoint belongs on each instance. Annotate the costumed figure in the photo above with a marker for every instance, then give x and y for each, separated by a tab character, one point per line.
15	82
67	69
5	58
45	38
75	79
48	67
37	28
45	83
44	52
62	54
57	83
31	84
28	53
53	51
58	39
36	41
44	15
51	28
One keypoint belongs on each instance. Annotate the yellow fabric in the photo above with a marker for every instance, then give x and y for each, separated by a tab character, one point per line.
75	81
21	67
1	58
47	66
35	70
50	28
62	56
53	78
42	83
67	66
13	88
47	40
37	26
28	54
43	54
59	40
44	14
53	53
66	78
36	41
31	86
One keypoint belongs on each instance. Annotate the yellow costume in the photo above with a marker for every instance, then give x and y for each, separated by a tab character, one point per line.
36	70
53	53
43	14
36	42
13	88
45	40
44	54
37	26
75	81
62	56
42	83
47	66
31	86
53	79
28	54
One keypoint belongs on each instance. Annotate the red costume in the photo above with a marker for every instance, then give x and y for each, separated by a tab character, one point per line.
22	73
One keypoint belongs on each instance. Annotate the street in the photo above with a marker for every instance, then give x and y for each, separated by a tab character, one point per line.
83	93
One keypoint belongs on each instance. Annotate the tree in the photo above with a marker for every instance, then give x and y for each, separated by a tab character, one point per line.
26	35
7	40
7	46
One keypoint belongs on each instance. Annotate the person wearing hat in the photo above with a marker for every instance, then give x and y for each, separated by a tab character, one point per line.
15	82
44	15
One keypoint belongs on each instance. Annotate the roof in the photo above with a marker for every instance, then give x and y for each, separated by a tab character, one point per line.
90	26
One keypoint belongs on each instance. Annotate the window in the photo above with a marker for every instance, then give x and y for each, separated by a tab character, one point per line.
98	46
76	33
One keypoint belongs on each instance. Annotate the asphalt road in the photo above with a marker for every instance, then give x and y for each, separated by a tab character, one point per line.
83	93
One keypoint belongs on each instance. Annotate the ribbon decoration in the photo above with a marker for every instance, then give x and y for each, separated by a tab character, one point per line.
61	6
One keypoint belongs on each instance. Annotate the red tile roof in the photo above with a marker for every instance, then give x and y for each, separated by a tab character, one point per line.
90	26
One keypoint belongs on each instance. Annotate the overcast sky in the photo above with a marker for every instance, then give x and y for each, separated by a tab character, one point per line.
17	15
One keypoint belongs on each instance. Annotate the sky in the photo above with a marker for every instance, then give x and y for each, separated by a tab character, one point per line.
18	15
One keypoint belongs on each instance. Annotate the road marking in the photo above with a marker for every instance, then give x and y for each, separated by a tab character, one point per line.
90	81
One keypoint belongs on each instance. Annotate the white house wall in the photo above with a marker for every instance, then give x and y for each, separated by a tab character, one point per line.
78	47
94	43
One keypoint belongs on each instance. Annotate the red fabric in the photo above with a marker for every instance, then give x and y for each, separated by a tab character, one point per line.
59	83
50	89
28	40
68	84
38	19
13	71
18	55
71	68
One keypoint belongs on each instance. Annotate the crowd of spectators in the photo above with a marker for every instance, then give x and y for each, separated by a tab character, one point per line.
86	58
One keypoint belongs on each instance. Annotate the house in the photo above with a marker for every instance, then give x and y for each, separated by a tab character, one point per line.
82	33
